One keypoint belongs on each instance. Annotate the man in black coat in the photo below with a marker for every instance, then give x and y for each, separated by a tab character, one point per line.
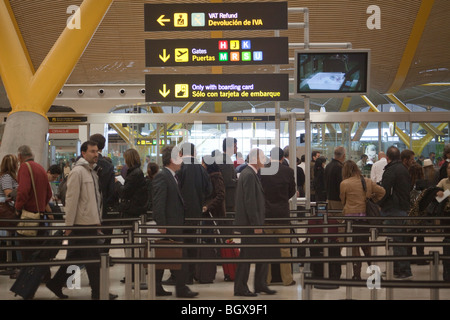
195	186
106	180
333	179
250	211
396	202
278	189
169	210
226	166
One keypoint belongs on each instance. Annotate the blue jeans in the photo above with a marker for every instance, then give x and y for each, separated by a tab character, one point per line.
399	266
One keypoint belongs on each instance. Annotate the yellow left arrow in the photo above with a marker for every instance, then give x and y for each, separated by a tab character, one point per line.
164	57
164	92
161	20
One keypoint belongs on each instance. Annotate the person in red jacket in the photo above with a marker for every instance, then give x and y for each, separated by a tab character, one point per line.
25	194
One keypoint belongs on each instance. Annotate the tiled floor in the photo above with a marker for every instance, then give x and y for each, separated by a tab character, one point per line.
221	290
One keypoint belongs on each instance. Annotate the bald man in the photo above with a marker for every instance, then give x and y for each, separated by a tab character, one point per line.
376	173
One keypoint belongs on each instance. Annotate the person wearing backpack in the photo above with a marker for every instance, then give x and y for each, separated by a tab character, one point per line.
106	180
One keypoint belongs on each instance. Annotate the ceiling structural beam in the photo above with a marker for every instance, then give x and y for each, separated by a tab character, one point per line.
411	45
419	145
402	136
429	128
35	91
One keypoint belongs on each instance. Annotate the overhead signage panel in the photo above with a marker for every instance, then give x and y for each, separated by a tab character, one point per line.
251	118
204	52
217	87
216	16
67	119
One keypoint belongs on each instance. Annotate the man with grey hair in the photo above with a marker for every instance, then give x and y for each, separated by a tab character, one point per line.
250	211
31	172
333	178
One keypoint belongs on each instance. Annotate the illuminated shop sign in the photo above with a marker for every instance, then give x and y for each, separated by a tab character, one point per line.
215	16
217	87
201	52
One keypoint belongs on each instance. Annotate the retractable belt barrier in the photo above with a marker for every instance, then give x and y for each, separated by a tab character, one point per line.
139	246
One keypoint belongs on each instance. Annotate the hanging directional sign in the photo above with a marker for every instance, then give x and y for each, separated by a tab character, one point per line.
216	16
217	87
204	52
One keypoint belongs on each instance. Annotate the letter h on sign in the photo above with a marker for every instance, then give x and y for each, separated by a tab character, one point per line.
223	45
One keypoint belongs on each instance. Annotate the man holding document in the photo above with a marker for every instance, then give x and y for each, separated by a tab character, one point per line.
443	198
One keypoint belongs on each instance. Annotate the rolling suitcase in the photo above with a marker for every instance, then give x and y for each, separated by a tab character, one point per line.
28	281
229	269
30	278
206	272
317	267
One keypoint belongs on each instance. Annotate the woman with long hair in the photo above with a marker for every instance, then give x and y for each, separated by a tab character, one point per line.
319	179
8	176
133	193
353	199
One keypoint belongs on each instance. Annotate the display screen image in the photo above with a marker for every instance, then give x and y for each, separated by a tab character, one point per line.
332	72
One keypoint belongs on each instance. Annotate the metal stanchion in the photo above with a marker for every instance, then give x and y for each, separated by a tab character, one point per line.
151	273
306	288
389	269
143	284
434	274
349	268
136	269
326	265
128	267
104	276
373	252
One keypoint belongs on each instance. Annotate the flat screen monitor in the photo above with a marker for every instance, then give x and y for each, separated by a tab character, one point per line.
332	73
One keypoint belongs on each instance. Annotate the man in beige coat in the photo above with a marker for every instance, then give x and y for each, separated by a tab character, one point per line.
83	208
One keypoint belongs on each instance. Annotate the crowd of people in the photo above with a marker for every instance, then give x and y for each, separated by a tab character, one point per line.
396	181
185	187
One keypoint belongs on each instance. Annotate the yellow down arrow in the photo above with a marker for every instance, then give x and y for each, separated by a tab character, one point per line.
164	92
161	20
165	56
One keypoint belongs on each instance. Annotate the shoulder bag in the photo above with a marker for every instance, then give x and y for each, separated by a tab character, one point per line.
372	209
27	215
7	211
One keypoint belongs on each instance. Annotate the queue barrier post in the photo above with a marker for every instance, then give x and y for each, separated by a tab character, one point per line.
389	269
373	238
137	267
434	274
349	268
151	273
128	267
104	276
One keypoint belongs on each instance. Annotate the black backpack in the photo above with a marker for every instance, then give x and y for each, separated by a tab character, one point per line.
62	189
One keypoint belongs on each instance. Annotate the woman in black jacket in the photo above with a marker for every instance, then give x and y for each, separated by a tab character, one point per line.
152	170
319	179
133	193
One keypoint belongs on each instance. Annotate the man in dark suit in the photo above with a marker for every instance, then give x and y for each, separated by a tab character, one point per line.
168	210
279	187
195	187
250	211
106	180
226	166
333	179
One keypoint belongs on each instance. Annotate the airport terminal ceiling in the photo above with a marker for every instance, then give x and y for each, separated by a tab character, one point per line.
116	53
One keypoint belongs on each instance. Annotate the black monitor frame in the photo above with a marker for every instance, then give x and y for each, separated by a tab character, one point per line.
342	85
